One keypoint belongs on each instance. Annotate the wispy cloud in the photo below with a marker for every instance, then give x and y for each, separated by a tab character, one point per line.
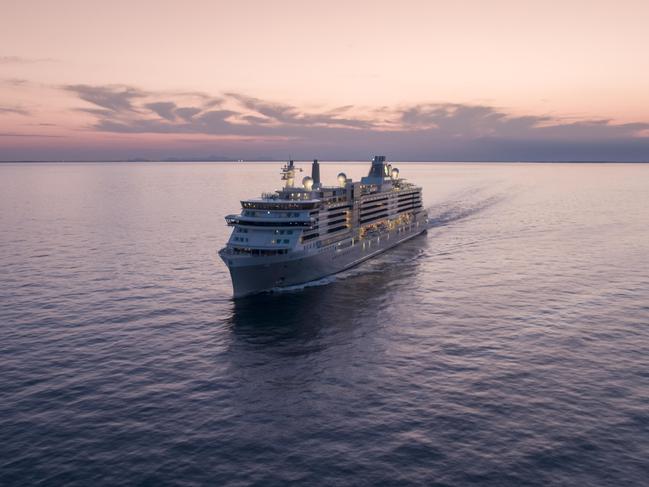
15	82
114	98
164	109
17	134
14	110
24	60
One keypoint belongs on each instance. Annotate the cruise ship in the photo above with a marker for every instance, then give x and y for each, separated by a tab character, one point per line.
300	234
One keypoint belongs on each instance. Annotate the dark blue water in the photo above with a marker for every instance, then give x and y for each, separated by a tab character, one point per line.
508	346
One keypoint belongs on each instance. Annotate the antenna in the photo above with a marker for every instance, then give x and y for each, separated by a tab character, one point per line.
288	173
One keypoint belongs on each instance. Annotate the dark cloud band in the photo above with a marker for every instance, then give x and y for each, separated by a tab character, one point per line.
449	131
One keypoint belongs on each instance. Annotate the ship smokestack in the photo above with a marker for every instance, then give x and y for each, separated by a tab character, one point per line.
315	173
378	169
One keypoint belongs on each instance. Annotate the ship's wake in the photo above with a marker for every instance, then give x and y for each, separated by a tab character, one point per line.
461	206
299	287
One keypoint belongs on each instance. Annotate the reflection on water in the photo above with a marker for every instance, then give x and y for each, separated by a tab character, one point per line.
335	302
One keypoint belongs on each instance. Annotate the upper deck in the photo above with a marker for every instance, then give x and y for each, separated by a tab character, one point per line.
280	204
312	195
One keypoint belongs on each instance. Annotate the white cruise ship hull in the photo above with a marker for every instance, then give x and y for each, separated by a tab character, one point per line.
252	275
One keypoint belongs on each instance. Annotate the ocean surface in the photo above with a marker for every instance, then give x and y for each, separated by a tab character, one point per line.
508	346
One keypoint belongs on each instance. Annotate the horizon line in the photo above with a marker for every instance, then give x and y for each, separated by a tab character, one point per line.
242	161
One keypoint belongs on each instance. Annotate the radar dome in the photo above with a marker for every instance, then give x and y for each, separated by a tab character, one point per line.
342	179
395	173
307	182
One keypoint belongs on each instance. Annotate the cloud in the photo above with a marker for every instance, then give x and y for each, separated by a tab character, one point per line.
17	134
168	110
291	115
14	110
115	98
15	82
24	60
420	131
187	113
467	120
165	109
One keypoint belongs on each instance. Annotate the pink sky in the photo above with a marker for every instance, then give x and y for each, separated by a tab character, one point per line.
90	79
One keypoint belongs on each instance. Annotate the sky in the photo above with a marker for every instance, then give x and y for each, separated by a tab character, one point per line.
417	80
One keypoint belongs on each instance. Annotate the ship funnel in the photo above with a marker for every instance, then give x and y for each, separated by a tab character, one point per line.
315	173
379	168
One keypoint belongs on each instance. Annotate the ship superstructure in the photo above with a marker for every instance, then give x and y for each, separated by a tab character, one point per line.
302	233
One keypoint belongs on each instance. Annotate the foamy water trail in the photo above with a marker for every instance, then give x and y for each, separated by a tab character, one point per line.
299	287
463	205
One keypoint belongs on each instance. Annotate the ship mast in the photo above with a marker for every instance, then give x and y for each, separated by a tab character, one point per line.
288	174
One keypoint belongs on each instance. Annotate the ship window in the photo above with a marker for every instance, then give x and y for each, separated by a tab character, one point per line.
285	241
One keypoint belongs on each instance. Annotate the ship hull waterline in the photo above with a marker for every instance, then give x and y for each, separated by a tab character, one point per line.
263	274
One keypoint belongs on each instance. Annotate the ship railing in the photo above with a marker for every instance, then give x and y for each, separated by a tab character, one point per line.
254	251
275	216
334	201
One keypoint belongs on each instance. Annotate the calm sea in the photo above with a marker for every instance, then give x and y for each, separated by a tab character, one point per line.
507	346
